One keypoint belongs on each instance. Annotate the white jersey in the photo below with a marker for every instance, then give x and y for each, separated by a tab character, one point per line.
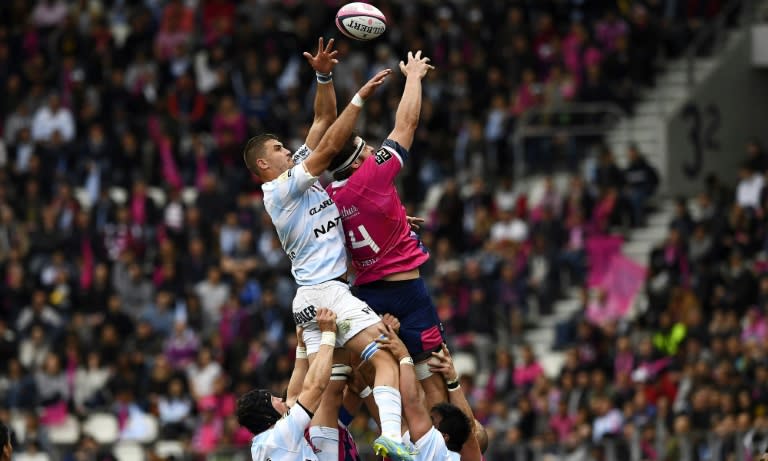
308	224
285	440
431	447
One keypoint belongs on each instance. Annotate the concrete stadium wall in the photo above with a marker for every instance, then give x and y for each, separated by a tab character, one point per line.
709	132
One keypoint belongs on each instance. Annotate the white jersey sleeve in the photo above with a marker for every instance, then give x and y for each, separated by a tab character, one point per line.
284	191
431	447
301	154
285	440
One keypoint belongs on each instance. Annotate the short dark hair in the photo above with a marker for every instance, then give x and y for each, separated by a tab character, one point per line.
453	423
343	155
255	411
254	149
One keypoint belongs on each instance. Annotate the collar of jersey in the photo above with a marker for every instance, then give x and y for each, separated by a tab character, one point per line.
340	183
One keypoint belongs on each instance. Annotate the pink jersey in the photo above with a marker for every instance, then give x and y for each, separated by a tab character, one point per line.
377	235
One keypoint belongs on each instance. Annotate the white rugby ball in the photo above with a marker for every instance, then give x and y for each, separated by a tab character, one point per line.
361	21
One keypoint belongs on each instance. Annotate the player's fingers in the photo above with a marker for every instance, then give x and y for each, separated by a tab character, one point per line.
402	68
418	54
320	45
431	67
410	55
333	53
330	45
335	61
307	55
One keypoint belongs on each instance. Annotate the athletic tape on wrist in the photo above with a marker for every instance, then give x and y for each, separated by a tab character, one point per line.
340	372
324	78
406	361
358	101
366	392
328	338
454	389
301	352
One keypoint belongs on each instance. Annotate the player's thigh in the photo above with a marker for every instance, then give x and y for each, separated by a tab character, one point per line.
409	301
353	318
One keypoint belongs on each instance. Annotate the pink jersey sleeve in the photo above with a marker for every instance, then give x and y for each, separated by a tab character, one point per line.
388	161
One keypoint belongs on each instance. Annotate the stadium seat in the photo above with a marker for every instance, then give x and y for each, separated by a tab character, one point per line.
118	195
166	448
39	456
66	433
128	451
189	195
102	427
151	427
157	195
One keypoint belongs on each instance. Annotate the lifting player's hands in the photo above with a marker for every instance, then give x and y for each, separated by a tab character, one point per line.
391	320
325	58
367	90
416	65
392	343
414	222
441	362
326	319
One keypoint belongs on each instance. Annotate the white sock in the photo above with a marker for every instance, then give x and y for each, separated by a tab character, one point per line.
325	439
390	404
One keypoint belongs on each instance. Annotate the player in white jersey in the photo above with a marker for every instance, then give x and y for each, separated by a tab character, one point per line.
278	429
446	431
309	228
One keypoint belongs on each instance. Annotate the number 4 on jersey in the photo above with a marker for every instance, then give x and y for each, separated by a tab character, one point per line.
366	240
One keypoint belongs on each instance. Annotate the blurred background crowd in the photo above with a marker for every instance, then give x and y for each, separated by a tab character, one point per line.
141	277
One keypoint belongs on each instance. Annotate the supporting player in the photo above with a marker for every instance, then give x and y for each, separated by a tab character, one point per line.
445	432
278	432
386	253
347	448
308	225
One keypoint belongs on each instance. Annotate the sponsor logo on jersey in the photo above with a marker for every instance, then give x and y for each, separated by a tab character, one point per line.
317	209
382	155
305	315
332	224
347	212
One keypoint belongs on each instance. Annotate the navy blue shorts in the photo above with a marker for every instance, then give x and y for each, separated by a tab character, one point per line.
408	300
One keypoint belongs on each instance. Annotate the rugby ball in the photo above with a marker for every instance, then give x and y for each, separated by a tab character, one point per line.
361	21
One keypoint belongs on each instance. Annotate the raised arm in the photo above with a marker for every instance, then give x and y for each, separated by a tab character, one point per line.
338	133
319	372
444	365
419	422
299	370
407	116
325	96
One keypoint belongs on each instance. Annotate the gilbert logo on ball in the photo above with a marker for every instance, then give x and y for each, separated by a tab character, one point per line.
361	21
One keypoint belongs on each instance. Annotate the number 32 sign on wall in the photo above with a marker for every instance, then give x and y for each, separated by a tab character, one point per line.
703	126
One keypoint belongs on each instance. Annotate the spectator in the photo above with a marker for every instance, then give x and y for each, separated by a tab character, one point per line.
52	119
641	181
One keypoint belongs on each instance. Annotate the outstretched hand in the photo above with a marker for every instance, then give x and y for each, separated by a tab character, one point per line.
367	90
325	58
416	65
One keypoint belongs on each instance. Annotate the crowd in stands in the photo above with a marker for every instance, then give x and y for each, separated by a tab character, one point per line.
140	274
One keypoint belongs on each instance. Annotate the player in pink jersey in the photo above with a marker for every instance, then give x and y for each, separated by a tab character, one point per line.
385	252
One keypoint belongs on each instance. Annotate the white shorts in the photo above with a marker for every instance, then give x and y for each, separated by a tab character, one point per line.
352	314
